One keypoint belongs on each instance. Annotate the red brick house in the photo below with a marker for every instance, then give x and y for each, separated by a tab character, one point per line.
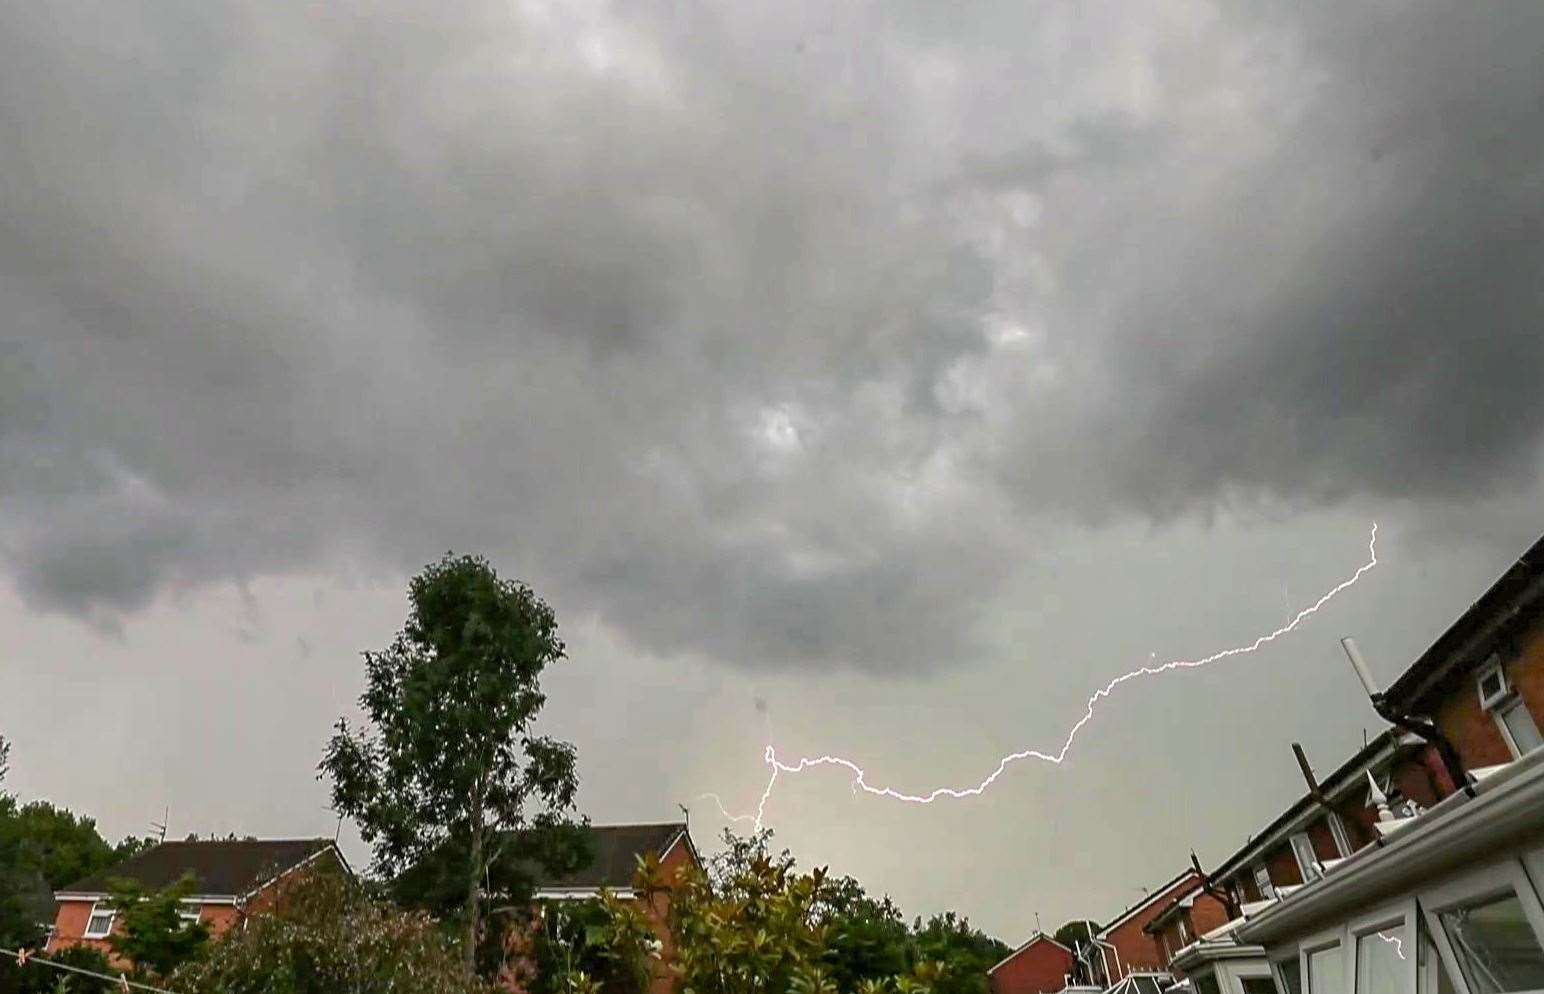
1185	919
1418	863
1125	945
1447	891
1039	966
232	878
615	852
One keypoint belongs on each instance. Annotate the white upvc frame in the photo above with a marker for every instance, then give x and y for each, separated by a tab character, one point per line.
1396	922
1262	879
1334	938
1281	981
112	918
1301	844
1492	668
1338	830
1492	880
1498	715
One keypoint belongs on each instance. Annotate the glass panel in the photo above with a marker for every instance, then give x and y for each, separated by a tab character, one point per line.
1381	966
1259	985
1520	723
1326	972
1207	984
1291	978
1495	946
100	924
1306	861
1432	975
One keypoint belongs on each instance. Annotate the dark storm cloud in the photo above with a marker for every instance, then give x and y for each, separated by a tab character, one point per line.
765	334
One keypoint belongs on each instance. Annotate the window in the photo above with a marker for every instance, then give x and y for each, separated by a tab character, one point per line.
1491	683
1517	727
1206	984
1431	975
1307	862
1326	972
1494	945
189	913
1237	890
1289	976
1184	930
1338	830
1382	962
1262	879
100	923
1259	985
1307	859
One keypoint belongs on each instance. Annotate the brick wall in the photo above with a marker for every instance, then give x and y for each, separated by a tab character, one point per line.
1039	968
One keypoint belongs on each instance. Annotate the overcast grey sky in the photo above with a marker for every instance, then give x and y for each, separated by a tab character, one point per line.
912	368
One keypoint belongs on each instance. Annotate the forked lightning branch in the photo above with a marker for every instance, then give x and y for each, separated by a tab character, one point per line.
778	768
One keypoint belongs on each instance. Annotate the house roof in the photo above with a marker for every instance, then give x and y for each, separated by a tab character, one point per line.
1157	895
615	849
1386	746
1467	641
221	867
1506	809
1035	939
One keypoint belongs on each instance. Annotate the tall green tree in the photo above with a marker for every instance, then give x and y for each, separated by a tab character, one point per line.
150	931
450	776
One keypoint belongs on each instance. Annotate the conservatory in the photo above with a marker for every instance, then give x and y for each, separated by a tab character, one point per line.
1448	901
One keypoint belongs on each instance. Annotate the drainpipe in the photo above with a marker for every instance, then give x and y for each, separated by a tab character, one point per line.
1410	723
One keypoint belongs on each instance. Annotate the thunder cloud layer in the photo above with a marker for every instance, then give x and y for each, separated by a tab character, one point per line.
765	331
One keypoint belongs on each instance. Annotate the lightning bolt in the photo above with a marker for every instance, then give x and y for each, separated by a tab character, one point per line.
860	782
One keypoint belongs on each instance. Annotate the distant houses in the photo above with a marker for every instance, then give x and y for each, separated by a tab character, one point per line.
1415	866
232	878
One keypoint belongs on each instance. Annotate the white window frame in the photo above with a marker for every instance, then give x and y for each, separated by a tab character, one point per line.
1318	943
96	909
1276	975
1497	714
191	912
1310	869
1338	830
1492	668
1491	880
1262	879
1398	917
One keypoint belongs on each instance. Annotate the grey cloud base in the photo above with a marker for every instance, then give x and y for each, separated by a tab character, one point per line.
769	335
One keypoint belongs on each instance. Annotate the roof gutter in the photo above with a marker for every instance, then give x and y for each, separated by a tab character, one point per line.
1508	808
1500	617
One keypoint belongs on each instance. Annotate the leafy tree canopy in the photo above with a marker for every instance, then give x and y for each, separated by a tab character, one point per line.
449	781
150	931
325	936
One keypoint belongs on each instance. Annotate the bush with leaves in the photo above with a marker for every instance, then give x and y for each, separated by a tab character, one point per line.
752	923
325	936
150	932
964	953
607	946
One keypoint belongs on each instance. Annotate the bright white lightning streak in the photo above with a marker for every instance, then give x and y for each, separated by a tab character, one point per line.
860	782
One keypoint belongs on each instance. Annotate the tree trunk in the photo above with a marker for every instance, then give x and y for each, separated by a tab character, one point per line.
474	892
